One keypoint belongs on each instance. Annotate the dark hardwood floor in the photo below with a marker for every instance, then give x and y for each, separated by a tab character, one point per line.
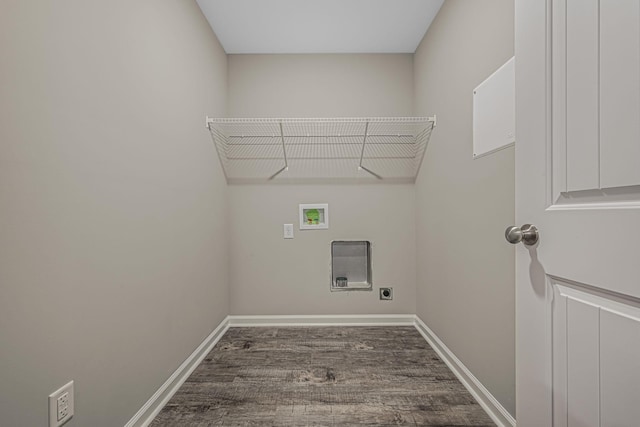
322	376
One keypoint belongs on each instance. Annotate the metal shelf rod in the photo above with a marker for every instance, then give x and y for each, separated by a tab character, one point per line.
382	135
314	144
324	158
323	120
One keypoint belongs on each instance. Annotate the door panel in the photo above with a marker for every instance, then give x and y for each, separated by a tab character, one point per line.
593	90
596	358
583	364
595	97
620	368
620	92
582	137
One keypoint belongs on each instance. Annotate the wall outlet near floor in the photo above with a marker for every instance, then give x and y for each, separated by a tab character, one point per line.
288	231
386	293
61	408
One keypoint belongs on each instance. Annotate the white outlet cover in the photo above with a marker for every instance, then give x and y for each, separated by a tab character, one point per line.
53	405
288	231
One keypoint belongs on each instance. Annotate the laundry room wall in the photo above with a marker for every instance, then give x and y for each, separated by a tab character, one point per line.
270	275
113	254
466	277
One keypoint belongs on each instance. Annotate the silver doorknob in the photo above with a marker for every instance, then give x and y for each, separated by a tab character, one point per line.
527	233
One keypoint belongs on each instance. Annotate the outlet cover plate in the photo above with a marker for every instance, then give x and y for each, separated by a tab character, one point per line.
61	402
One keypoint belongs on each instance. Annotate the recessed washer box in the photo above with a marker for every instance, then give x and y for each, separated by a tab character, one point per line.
314	216
351	265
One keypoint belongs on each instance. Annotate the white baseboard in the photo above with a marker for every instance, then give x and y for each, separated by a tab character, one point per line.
147	413
490	404
324	320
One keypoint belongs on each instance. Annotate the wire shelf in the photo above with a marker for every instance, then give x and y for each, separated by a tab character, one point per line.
292	150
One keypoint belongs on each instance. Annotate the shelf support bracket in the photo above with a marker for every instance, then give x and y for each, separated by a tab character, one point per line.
284	154
433	119
370	171
364	142
208	122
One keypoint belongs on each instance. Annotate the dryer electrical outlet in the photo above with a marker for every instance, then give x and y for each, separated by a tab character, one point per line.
386	293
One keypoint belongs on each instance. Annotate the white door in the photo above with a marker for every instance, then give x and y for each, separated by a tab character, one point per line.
578	181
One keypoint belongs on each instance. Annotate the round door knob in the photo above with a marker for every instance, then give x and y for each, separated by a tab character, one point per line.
527	233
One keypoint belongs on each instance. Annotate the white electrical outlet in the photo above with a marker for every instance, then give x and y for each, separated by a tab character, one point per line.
288	231
61	405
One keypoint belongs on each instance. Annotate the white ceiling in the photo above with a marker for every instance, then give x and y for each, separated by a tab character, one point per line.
320	26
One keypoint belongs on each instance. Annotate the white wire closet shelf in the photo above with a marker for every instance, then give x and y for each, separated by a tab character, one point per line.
367	149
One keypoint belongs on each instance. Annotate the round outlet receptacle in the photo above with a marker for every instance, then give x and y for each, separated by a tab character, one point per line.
386	293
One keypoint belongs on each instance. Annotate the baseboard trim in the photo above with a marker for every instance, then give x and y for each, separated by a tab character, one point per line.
323	320
154	405
490	404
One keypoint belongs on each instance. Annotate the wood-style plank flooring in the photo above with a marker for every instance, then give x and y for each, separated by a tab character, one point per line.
322	376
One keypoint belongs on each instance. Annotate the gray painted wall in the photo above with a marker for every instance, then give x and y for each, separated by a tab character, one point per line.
465	279
345	85
270	275
113	261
